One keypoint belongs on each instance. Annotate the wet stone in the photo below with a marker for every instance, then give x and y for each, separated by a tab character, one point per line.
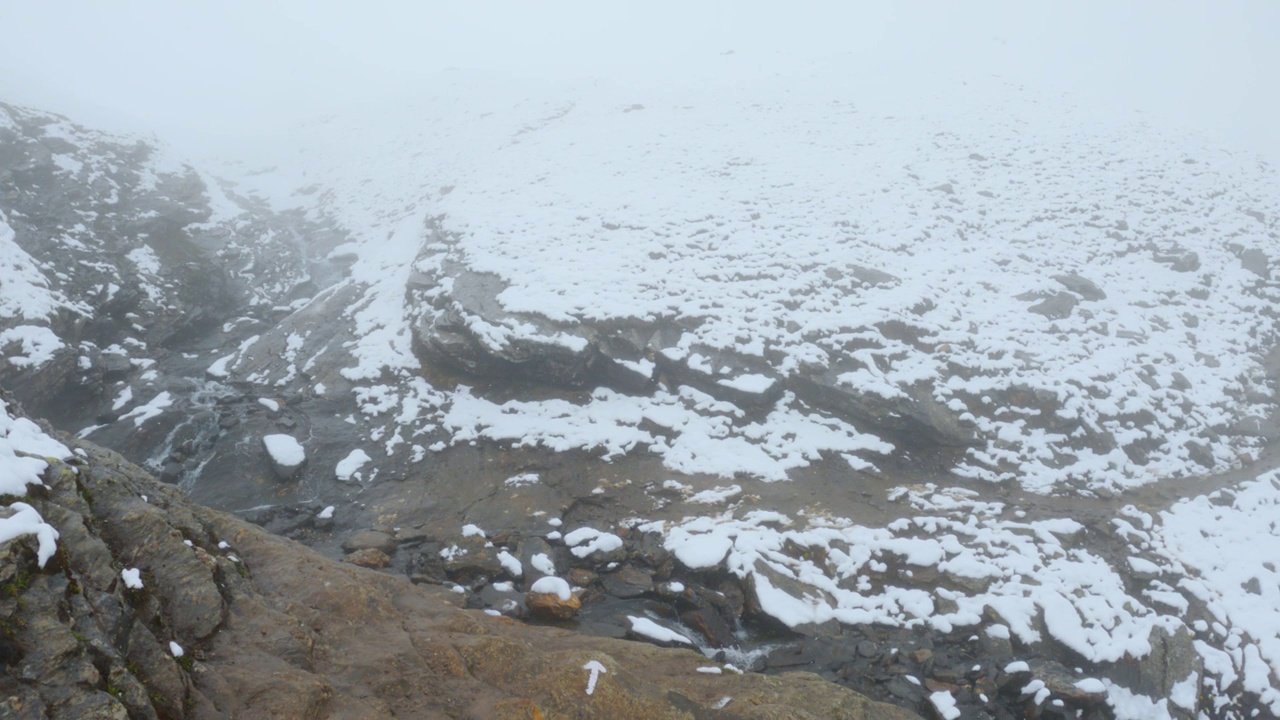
550	606
507	602
526	550
581	577
370	540
369	558
712	627
627	582
171	472
470	558
791	656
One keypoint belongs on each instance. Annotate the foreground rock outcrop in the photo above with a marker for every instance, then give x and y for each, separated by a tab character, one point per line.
231	621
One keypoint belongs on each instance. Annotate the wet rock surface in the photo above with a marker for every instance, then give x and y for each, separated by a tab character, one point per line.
984	670
266	628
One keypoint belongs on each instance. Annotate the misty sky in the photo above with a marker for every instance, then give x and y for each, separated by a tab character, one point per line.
212	71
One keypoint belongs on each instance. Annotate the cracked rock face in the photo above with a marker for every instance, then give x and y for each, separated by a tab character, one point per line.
230	621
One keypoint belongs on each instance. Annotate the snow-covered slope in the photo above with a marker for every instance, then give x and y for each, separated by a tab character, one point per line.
744	280
114	252
1080	301
983	294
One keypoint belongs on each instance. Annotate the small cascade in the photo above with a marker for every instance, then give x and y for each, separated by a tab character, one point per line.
188	447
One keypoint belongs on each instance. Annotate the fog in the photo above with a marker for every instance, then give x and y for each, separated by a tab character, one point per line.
209	73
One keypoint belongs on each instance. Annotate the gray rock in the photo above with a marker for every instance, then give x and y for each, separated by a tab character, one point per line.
470	558
792	587
1081	286
526	549
1256	262
1173	659
1200	453
712	626
913	420
370	540
1057	306
1179	259
627	582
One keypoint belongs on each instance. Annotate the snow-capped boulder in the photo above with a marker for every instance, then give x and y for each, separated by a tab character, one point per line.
286	454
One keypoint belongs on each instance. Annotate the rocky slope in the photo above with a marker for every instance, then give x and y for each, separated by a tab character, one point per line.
966	401
153	607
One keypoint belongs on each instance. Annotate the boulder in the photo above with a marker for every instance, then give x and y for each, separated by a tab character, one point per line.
1172	661
285	454
767	590
370	540
627	582
551	599
369	557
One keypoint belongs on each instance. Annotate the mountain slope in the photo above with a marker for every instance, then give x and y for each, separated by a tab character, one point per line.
956	368
1071	301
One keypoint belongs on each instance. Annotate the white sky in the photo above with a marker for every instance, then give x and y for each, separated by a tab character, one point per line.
206	71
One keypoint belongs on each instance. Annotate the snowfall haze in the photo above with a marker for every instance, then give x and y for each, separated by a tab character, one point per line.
199	73
956	321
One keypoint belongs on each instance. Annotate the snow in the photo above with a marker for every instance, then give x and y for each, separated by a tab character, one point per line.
132	578
551	584
151	409
710	670
284	450
269	404
595	541
654	631
768	242
749	383
698	551
471	529
18	434
17	472
349	467
1091	685
543	564
1128	705
1184	692
1219	543
124	398
945	704
36	344
715	495
521	480
26	294
326	513
176	650
144	258
510	563
25	520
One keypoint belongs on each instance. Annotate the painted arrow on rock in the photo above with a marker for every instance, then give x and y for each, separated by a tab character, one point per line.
595	668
